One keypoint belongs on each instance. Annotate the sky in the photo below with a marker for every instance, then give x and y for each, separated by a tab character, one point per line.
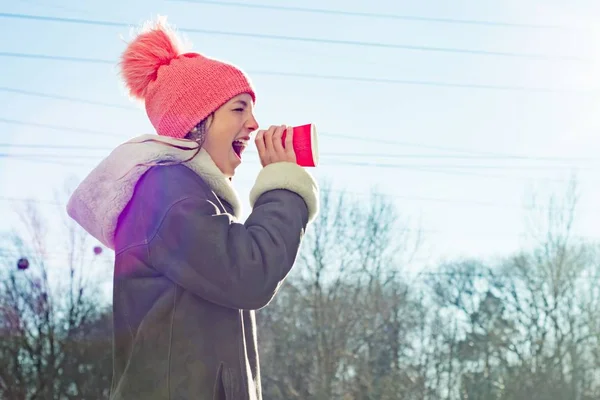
457	123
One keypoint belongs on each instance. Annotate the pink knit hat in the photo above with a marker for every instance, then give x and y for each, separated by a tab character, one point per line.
179	89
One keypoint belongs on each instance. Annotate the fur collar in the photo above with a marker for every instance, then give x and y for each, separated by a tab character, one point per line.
99	200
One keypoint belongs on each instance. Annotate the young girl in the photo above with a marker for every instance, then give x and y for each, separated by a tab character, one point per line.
188	276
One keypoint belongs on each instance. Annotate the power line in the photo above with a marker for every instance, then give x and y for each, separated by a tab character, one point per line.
415	168
484	154
339	162
61	128
353	155
406	144
80	21
470	157
440	169
64	98
55	6
389	45
39	160
435	169
417	230
469	154
430	169
328	77
461	202
57	58
324	134
56	147
421	83
456	166
373	15
287	38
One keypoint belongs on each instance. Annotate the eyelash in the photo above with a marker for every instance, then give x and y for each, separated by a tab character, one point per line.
239	109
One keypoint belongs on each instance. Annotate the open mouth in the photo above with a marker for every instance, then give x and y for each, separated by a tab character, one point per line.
239	145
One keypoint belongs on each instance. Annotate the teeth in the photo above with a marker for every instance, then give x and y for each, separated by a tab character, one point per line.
241	142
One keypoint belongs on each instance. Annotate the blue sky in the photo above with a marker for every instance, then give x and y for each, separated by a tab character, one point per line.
466	206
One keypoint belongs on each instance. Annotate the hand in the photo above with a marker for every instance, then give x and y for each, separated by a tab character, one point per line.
269	144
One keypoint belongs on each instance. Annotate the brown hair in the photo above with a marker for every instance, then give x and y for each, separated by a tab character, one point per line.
198	132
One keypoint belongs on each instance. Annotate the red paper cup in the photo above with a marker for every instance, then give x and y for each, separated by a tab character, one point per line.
305	145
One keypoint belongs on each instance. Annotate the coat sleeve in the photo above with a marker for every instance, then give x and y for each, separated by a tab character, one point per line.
221	260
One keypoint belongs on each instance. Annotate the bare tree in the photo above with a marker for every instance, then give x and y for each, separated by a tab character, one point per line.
528	327
464	295
343	298
551	291
54	327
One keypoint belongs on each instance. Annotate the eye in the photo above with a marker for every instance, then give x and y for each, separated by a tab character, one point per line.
238	109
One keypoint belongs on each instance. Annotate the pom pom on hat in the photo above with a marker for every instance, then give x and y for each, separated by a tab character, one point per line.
156	46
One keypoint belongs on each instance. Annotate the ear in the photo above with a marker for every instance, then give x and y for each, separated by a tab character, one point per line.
209	121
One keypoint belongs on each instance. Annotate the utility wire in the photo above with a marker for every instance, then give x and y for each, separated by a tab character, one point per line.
435	169
288	38
340	162
457	202
417	230
471	157
64	98
353	155
388	81
468	153
46	146
371	15
40	160
451	169
57	58
61	128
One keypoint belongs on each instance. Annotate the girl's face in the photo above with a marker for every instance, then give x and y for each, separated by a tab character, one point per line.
229	131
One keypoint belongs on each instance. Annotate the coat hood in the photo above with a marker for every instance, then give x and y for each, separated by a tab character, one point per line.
101	197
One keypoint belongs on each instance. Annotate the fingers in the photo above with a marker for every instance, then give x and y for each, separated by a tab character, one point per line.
264	145
270	145
260	146
290	153
268	139
278	141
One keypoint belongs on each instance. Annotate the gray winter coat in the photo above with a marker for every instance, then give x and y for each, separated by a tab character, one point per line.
188	276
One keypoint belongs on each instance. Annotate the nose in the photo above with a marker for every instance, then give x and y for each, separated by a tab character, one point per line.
251	124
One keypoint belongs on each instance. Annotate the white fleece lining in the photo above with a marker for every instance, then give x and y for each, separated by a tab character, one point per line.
99	200
289	176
